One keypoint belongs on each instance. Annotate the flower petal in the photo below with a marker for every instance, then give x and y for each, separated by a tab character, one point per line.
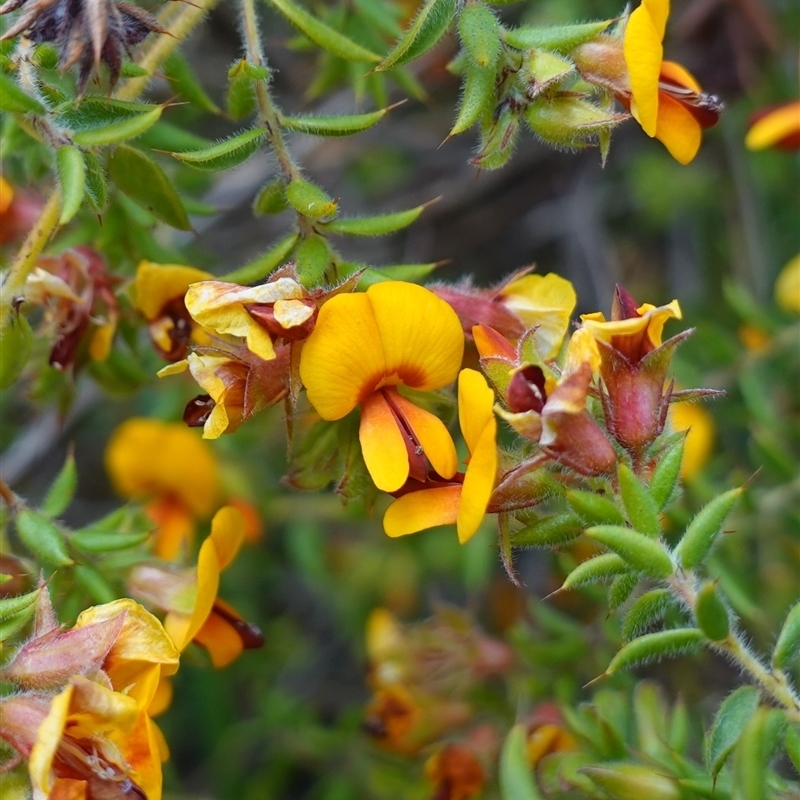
643	54
677	129
787	286
6	194
478	483
420	510
383	444
48	737
175	526
677	73
227	534
475	406
422	338
774	126
342	360
220	639
157	284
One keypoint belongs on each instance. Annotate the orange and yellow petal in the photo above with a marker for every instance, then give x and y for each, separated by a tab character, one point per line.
6	195
162	697
221	640
175	526
68	789
475	406
787	286
421	336
102	338
652	319
420	510
677	73
48	737
157	284
342	360
677	129
383	444
491	344
644	53
479	483
227	534
774	126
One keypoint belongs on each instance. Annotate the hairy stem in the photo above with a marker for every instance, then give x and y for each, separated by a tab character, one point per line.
773	683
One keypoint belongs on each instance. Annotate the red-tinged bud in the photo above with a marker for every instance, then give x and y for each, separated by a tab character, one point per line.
480	307
578	442
526	391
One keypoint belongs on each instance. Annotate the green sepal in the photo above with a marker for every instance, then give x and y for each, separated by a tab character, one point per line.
260	267
62	490
594	509
240	97
479	31
644	554
43	538
704	528
379	225
71	179
653	646
736	709
271	199
428	26
551	531
646	610
141	179
498	139
558	38
14	100
542	70
665	475
629	781
323	35
595	569
711	613
516	776
310	200
569	121
477	96
120	131
788	645
338	125
223	155
639	505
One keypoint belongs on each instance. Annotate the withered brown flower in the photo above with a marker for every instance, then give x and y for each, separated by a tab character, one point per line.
85	32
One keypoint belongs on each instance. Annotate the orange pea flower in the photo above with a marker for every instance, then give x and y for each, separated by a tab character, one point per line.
364	347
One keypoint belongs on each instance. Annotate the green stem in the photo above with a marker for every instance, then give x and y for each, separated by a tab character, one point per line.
774	684
36	240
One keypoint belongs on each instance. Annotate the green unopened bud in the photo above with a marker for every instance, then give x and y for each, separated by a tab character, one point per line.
271	199
479	31
711	613
313	259
568	121
633	782
497	141
15	349
542	70
309	200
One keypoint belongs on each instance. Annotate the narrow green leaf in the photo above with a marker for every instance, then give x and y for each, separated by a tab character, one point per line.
639	505
653	646
14	623
703	529
95	584
558	38
118	131
98	111
132	70
323	35
10	606
551	531
95	541
182	81
71	179
313	260
62	490
141	179
172	139
258	269
309	200
711	613
665	475
633	781
516	777
595	569
641	552
426	29
14	100
594	509
788	645
379	225
477	95
733	714
16	343
647	609
621	589
791	743
240	99
223	155
479	31
339	125
271	199
96	183
753	752
414	273
43	538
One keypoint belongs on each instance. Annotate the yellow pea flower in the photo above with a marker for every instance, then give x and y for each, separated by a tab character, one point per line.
699	445
787	287
366	344
775	127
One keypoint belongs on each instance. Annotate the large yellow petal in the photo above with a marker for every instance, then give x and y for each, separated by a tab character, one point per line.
774	126
424	509
658	11
48	737
677	129
342	360
643	56
156	284
227	534
475	406
422	338
478	483
432	434
383	444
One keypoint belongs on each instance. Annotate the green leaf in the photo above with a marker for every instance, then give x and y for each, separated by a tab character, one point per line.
379	225
516	776
551	531
594	509
641	552
182	80
11	606
479	31
132	70
639	505
43	538
172	139
558	38
647	609
414	273
258	269
791	742
621	589
309	200
665	475
339	125
13	624
240	99
14	100
323	35
736	709
141	179
93	582
498	139
99	541
225	154
96	183
426	29
711	613
653	646
313	260
703	529
753	752
271	199
477	96
788	645
595	569
118	131
16	343
62	490
71	179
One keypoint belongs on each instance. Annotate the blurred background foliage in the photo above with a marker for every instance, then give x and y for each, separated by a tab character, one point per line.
286	721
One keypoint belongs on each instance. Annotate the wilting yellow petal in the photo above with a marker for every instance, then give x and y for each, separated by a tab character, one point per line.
290	313
227	534
48	737
774	126
678	130
787	287
432	434
342	360
6	194
546	301
582	349
220	639
156	284
420	510
475	406
644	32
422	338
699	445
382	444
